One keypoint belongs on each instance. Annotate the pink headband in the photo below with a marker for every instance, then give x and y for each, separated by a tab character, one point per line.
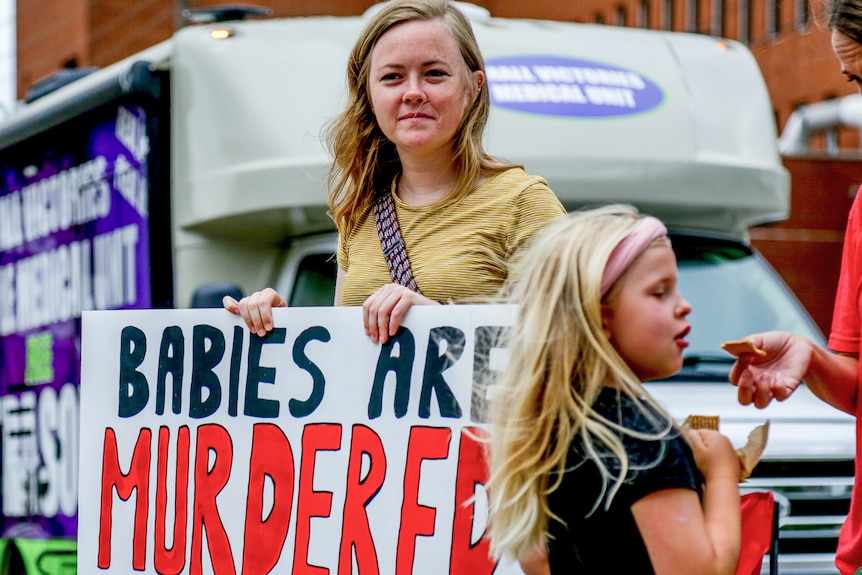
645	231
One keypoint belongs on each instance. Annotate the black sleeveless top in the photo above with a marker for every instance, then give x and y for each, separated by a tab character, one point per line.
608	541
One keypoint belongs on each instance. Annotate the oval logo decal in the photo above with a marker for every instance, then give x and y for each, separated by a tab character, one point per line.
554	86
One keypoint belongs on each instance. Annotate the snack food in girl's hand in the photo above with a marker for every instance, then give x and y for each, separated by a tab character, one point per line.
750	453
741	346
701	422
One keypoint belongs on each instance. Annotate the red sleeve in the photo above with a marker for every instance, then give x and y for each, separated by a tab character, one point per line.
845	317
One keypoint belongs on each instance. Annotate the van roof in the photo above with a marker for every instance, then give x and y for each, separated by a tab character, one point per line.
677	124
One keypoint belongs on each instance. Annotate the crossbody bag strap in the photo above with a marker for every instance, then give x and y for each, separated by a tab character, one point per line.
392	243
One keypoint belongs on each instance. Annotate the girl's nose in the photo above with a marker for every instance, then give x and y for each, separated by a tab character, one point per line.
684	308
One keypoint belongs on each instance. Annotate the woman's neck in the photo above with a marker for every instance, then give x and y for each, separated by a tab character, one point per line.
426	183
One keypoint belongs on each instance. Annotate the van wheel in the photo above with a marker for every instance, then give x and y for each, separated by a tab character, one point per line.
13	563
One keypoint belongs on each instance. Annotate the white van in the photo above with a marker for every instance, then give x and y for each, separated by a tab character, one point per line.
215	144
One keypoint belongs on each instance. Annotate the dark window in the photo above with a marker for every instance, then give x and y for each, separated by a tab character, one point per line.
774	18
644	16
717	18
315	281
691	25
803	13
745	22
622	15
732	290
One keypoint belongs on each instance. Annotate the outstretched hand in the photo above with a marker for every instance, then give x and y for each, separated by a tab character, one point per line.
384	310
776	375
256	309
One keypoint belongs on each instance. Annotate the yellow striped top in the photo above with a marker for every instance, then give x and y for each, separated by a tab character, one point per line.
460	248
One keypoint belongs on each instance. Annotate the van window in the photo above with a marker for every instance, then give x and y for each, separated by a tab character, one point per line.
733	293
315	281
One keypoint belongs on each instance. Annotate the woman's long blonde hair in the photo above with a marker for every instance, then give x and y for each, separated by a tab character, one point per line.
560	359
364	160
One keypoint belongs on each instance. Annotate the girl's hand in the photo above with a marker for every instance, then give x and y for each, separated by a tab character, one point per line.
256	309
714	455
686	534
385	309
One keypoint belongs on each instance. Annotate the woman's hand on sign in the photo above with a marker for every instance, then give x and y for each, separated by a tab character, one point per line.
256	309
384	310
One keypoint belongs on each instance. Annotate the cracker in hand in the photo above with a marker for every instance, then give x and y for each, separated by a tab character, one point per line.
701	422
749	454
740	347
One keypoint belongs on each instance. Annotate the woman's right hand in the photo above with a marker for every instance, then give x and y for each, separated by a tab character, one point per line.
714	455
384	310
256	309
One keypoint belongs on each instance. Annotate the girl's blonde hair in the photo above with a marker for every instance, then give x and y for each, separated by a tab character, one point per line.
559	361
365	162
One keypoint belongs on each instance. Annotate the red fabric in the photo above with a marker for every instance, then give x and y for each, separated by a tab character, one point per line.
845	333
846	338
758	509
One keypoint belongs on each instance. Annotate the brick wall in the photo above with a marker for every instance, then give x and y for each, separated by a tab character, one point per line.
51	35
120	28
806	248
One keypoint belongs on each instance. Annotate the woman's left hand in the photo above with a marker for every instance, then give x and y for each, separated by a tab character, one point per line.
385	309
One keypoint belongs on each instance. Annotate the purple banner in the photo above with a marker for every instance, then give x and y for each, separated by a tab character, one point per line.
74	236
555	86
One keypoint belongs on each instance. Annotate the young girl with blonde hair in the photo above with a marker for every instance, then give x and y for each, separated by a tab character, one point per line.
588	473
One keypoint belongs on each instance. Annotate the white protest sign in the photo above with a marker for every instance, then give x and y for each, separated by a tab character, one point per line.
205	449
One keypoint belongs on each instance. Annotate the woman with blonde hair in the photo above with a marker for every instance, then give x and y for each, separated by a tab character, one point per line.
409	170
588	473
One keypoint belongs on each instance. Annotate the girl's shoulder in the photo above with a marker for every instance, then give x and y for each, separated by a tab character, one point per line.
633	413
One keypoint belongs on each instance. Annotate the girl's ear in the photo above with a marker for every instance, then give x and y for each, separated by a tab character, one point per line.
607	316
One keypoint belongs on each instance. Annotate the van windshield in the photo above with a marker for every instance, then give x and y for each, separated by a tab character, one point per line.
733	293
732	289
